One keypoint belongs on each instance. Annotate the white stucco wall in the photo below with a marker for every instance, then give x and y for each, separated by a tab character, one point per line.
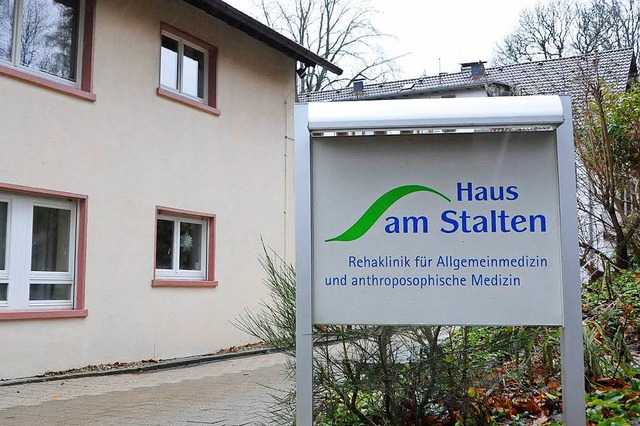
131	151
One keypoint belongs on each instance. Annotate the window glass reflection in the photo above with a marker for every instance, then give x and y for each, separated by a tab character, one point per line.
49	38
193	72
6	28
50	292
190	246
4	207
164	244
50	240
169	63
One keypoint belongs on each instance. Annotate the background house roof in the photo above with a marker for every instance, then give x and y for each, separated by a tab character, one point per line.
554	76
259	31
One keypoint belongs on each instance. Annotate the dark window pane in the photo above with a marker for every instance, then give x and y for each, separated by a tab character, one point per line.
49	39
50	292
169	63
190	246
3	234
3	292
164	244
6	28
193	72
50	241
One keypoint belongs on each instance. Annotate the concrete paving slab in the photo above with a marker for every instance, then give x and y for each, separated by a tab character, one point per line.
226	393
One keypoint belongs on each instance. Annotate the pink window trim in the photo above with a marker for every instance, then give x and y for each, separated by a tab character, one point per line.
177	97
210	281
29	190
182	283
85	91
34	315
79	310
212	78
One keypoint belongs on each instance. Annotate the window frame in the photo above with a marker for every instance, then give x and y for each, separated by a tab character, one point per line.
61	277
182	278
25	309
4	273
83	86
209	102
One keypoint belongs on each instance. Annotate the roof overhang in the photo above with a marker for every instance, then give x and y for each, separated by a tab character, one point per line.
259	31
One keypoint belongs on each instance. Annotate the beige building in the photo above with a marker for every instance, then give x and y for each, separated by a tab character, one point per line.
146	149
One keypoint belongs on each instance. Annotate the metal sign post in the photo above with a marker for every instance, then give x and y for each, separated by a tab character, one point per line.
304	318
405	208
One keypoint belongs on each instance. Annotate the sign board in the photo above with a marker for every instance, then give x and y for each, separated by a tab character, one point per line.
436	229
434	212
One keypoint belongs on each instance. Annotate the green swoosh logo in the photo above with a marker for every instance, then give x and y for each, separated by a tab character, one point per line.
377	209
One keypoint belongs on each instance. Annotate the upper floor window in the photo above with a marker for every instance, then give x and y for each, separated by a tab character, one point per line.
188	69
41	35
42	41
183	67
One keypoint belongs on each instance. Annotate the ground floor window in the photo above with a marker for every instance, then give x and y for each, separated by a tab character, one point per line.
40	238
184	248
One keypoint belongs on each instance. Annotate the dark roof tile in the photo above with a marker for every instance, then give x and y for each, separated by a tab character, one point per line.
554	76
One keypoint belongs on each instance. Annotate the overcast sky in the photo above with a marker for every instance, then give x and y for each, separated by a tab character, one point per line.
437	35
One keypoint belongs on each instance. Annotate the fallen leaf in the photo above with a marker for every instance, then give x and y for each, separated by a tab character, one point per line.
609	381
529	406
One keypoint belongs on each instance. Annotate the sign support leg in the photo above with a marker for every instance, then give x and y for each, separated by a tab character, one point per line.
304	318
573	403
304	379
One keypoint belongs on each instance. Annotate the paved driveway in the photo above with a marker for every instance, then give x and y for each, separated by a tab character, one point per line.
226	393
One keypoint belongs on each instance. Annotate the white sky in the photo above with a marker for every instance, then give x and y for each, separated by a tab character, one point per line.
453	31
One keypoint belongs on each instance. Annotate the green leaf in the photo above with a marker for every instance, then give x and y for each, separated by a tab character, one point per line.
594	415
614	422
377	209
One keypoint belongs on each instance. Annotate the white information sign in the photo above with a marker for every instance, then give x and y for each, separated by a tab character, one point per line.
434	212
436	229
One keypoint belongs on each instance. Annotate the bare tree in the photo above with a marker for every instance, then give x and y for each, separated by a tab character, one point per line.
35	25
593	28
62	44
542	32
626	23
340	31
48	36
6	28
571	27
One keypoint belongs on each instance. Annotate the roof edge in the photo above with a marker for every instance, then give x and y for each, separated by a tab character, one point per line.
383	96
243	22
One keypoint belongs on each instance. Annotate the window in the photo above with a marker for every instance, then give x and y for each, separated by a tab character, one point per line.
42	41
184	249
187	70
182	68
41	253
